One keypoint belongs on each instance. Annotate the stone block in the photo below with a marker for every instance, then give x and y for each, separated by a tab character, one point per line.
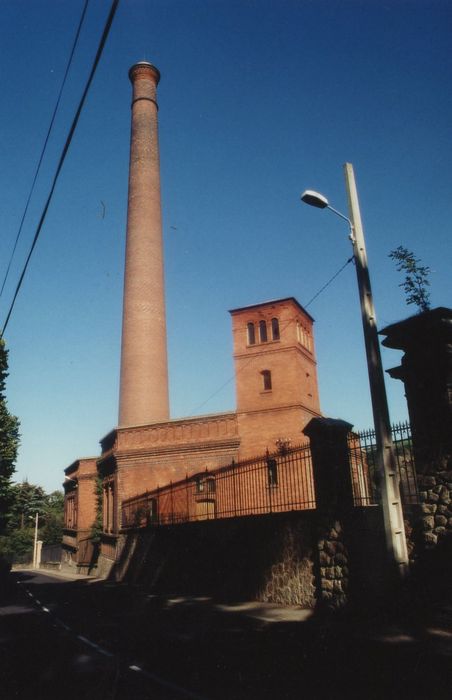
324	559
428	508
340	558
430	539
440	531
428	522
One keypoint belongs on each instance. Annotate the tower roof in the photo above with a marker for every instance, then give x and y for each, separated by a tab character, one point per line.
270	303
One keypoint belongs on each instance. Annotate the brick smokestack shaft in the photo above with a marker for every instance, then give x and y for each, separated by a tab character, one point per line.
144	368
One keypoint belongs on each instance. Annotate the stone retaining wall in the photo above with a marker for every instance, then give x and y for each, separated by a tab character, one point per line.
268	558
435	495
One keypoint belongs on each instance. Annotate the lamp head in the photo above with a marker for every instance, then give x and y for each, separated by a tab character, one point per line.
314	199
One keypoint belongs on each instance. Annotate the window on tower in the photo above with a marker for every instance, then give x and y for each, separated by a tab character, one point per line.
275	329
266	379
262	331
251	333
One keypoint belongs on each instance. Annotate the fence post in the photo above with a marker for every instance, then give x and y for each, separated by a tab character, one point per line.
186	492
171	502
234	495
426	371
334	497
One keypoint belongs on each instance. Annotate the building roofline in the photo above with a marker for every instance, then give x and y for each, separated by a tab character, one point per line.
268	303
74	465
162	423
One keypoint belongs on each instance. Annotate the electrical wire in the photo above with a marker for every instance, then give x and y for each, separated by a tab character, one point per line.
329	281
292	320
49	130
103	39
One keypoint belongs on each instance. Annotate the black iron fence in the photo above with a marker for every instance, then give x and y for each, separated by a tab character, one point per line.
274	483
363	463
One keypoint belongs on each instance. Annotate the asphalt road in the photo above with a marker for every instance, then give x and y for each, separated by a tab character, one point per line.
44	655
95	640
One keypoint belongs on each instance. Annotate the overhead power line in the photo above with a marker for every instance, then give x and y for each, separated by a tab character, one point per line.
103	39
49	130
329	282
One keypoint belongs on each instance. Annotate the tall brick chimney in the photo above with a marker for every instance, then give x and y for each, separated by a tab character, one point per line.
144	371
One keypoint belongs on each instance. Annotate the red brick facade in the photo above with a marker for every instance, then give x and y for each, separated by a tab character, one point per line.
80	508
276	374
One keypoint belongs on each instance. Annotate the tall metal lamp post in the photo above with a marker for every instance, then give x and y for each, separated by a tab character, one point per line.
35	543
389	482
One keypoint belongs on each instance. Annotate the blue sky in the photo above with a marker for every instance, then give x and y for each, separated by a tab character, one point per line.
259	100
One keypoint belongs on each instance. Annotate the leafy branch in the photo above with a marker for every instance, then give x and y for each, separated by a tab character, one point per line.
416	277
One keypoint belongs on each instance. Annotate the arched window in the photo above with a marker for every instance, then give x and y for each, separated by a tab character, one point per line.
267	379
262	331
251	334
275	329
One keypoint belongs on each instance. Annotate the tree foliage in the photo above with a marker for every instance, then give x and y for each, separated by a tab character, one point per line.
53	516
27	500
416	277
9	441
97	527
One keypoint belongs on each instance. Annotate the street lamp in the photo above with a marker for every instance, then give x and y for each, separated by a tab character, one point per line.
35	543
390	492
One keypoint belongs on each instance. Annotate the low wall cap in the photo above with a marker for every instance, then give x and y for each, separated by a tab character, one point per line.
403	333
317	425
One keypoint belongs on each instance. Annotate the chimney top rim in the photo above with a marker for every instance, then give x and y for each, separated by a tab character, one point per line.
143	64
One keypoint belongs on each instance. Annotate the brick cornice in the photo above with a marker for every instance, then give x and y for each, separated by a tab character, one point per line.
187	448
283	407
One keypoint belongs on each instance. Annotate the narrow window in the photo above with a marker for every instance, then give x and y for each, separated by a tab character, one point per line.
210	484
106	509
251	334
275	329
272	472
262	331
153	510
267	379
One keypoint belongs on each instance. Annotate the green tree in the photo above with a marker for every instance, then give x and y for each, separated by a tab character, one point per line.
9	442
27	500
53	515
97	526
416	278
17	543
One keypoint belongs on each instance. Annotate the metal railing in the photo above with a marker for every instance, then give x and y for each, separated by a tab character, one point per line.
275	483
363	461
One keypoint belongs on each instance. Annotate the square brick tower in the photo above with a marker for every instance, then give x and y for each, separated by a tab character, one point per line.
276	373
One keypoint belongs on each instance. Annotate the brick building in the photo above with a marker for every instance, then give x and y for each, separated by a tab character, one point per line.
275	369
277	395
80	506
